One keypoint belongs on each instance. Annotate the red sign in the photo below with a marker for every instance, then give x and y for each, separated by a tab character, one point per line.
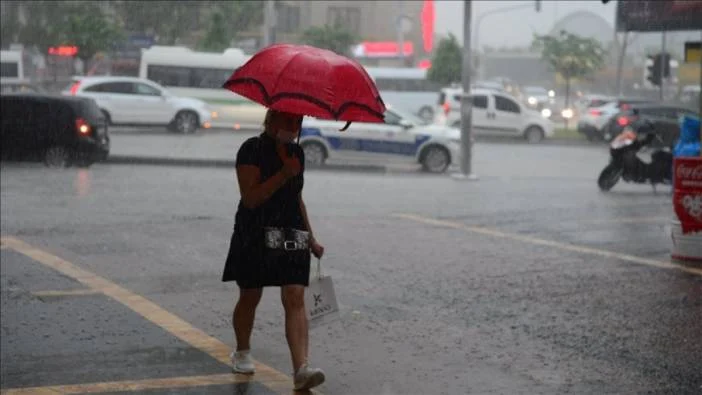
63	50
427	19
687	198
377	49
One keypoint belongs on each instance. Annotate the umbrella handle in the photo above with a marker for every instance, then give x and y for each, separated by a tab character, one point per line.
345	126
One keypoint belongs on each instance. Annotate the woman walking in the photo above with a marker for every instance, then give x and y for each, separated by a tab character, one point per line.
272	241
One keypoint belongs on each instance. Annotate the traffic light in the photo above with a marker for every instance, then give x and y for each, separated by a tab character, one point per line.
665	63
653	69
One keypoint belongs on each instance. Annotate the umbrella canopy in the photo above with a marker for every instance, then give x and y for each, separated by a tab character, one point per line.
306	80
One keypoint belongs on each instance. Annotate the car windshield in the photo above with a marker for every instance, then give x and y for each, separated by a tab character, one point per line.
408	116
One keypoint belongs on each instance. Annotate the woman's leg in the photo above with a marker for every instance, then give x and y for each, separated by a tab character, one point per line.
293	297
244	314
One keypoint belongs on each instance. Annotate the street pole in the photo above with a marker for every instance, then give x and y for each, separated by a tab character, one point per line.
268	23
466	103
662	68
400	33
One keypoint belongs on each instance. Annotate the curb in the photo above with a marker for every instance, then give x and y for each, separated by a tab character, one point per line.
229	164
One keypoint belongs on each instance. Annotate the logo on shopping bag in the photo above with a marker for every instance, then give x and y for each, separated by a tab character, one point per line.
320	308
317	299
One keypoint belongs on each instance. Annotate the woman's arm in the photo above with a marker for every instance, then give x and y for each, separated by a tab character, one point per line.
253	191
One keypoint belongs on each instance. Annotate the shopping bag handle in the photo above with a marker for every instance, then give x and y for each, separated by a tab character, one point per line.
319	268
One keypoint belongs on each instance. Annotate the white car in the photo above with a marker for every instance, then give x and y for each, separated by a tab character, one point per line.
403	136
130	101
498	114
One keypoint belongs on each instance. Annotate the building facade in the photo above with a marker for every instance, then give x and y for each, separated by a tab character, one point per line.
373	22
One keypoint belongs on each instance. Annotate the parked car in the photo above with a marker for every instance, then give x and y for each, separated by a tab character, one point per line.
592	121
62	131
497	114
664	117
403	136
129	101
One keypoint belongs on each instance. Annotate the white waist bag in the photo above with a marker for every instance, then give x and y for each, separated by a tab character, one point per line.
320	299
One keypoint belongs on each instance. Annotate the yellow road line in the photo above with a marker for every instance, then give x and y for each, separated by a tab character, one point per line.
548	243
67	292
149	310
132	385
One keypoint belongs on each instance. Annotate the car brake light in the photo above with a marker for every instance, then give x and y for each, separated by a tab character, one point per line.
623	121
595	113
74	88
447	108
82	127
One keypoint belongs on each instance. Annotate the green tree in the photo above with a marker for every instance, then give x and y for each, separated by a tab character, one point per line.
217	38
334	38
9	24
87	27
571	56
40	29
168	20
446	62
228	19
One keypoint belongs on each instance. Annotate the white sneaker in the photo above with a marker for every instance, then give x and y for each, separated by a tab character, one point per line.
242	362
307	378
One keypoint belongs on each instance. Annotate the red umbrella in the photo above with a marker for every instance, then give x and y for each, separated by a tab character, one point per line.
305	80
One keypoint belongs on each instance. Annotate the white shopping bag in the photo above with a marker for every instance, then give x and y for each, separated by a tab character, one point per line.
320	299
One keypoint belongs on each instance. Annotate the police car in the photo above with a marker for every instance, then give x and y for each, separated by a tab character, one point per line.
402	136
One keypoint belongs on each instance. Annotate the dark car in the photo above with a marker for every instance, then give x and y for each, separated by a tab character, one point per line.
593	122
63	131
664	117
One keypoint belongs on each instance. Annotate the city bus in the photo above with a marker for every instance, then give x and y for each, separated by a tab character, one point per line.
406	88
200	75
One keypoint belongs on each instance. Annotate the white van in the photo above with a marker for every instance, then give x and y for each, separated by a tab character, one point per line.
495	114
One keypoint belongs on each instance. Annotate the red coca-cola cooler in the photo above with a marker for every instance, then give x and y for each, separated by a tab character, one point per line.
687	203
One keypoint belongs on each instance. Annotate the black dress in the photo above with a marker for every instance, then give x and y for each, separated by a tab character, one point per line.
249	263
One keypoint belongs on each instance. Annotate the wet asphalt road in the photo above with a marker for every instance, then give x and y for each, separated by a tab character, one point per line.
516	290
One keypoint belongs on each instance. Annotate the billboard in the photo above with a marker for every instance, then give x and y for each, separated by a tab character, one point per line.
659	15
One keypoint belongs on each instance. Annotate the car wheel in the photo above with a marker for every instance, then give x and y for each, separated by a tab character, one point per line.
426	113
57	156
534	134
315	153
435	159
186	122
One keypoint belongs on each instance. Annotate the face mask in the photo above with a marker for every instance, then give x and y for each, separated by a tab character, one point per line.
285	136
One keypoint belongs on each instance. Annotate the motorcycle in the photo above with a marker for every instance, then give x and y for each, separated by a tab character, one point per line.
625	163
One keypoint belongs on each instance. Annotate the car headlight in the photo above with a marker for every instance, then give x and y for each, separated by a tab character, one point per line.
567	113
531	100
546	113
551	93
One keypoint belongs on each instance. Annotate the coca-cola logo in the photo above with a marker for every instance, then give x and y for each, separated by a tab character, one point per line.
689	172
